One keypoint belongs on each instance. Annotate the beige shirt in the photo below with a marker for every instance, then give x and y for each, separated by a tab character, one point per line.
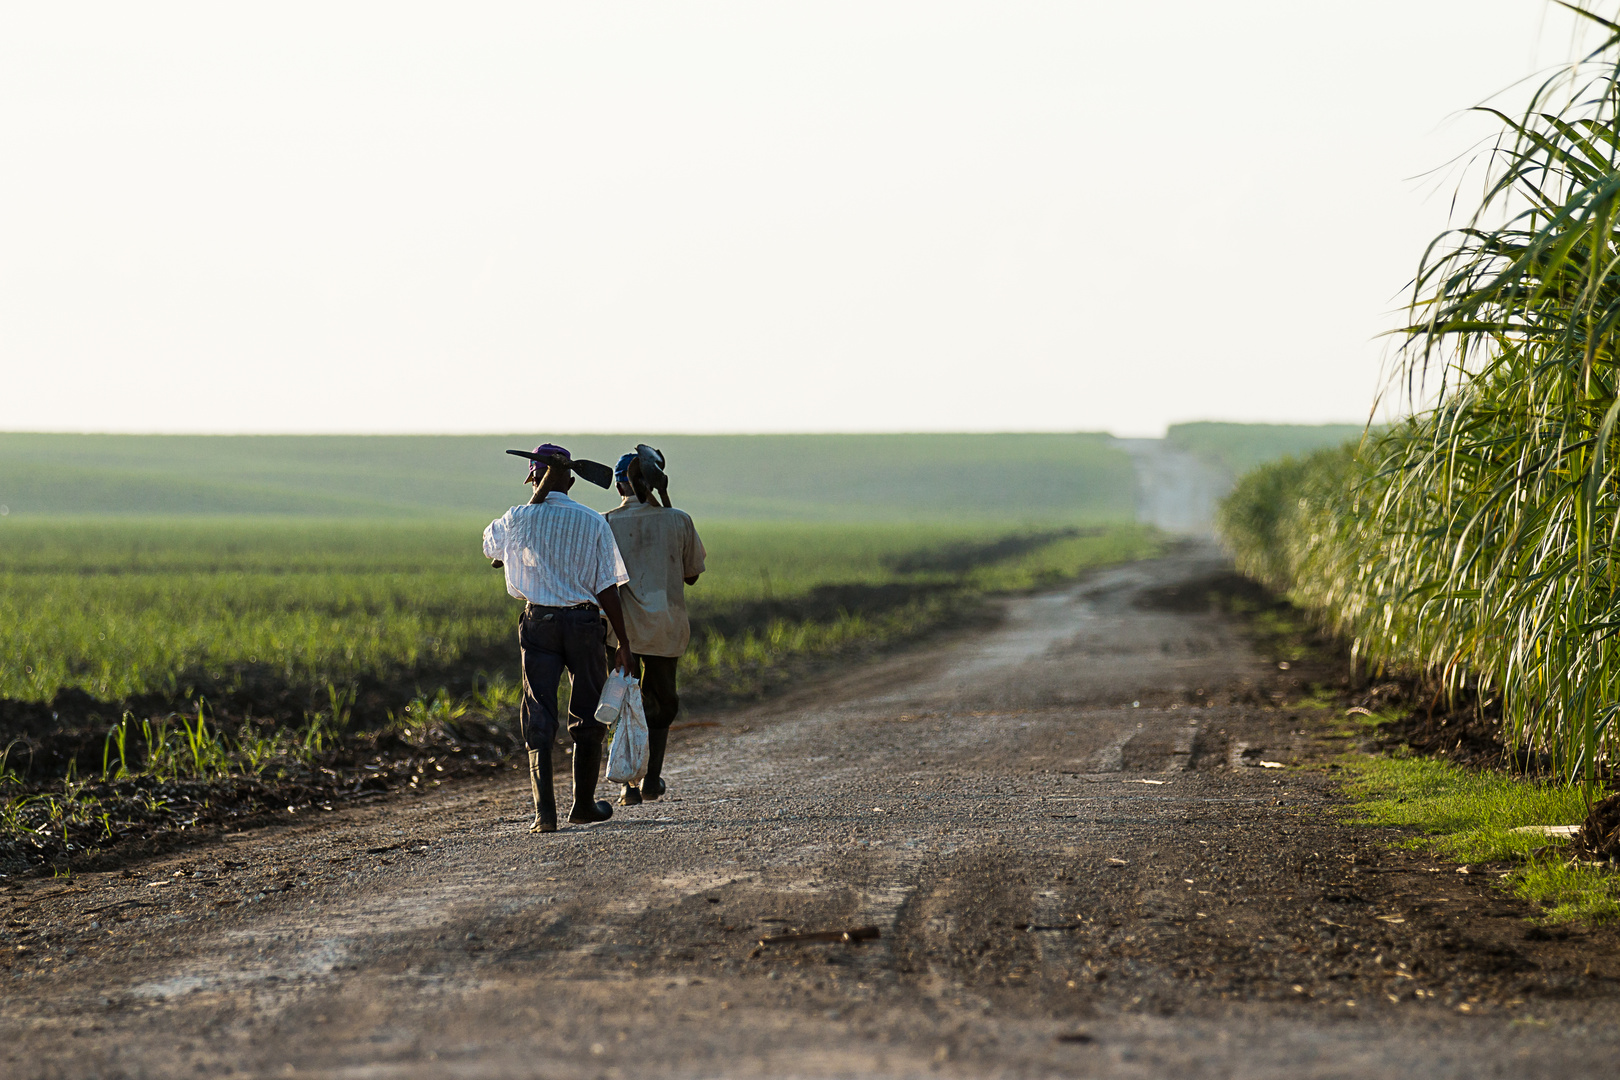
661	548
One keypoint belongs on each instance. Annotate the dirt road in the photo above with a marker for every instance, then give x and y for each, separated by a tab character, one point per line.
1060	829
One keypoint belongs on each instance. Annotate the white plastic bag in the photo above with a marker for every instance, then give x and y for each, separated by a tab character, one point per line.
612	699
627	756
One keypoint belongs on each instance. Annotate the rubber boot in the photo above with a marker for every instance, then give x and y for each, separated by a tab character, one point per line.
587	766
545	795
652	785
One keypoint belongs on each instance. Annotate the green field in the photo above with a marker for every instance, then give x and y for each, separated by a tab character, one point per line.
125	607
1002	479
1237	448
141	565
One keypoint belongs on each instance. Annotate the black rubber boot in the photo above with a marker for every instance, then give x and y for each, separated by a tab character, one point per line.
545	795
652	785
587	767
630	796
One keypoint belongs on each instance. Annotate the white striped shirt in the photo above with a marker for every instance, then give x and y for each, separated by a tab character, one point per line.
558	552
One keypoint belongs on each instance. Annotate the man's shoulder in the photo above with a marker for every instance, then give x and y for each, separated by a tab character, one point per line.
672	515
682	518
630	510
556	509
588	518
565	505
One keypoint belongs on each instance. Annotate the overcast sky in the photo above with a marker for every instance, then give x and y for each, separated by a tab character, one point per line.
723	217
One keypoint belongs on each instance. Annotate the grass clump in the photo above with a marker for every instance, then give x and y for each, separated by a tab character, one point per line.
1569	891
1470	817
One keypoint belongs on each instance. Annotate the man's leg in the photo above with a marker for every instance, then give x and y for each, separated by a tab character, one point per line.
584	647
538	642
663	705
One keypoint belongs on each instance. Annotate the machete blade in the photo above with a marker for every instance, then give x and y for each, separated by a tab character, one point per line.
597	473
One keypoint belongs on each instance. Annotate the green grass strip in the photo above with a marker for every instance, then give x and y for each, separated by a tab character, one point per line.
1470	817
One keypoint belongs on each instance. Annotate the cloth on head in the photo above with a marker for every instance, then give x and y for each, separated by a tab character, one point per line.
548	449
621	471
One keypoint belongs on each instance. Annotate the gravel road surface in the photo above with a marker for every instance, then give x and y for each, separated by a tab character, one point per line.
1060	827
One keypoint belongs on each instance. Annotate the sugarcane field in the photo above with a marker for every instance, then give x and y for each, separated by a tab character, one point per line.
892	540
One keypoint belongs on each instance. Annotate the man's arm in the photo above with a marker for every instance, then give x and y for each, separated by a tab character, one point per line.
611	574
495	542
692	554
609	599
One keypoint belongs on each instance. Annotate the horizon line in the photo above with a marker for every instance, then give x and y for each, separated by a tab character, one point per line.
655	434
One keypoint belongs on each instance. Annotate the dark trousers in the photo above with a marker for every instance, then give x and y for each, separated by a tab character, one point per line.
658	696
551	640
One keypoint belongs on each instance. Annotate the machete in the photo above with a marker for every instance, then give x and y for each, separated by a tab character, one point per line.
593	471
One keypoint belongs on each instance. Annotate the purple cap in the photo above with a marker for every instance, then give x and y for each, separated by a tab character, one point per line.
535	467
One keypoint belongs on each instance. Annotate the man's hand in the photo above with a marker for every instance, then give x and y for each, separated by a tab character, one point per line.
624	657
496	563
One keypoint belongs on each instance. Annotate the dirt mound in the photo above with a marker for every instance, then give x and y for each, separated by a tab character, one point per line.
1600	832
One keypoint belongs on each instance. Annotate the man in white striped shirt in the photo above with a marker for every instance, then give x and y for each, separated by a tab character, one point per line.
560	559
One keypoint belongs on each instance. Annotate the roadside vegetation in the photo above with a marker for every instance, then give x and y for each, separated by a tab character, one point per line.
1476	540
1474	543
165	675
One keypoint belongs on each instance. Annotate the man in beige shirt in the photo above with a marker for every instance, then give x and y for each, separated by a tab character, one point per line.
663	555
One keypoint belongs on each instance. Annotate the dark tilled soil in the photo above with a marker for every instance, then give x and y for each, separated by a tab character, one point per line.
1065	832
46	737
44	742
139	816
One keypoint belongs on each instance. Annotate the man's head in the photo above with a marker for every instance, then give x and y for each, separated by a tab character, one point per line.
553	474
621	475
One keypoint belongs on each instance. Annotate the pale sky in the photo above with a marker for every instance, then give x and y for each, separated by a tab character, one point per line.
724	217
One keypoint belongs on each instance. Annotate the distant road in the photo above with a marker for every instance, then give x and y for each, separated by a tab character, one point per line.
1176	490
